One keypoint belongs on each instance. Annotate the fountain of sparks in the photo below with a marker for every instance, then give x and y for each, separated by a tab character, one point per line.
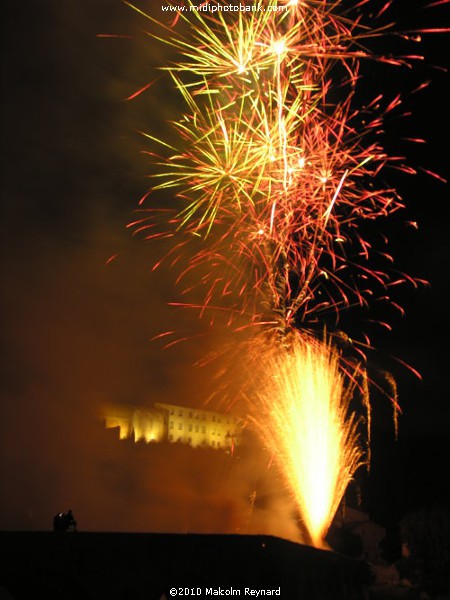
272	174
300	408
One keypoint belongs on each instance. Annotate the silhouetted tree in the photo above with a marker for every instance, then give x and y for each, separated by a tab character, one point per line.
427	534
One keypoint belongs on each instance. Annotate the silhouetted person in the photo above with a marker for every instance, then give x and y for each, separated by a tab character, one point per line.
64	521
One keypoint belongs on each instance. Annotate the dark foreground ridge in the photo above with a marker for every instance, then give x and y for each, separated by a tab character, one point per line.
141	566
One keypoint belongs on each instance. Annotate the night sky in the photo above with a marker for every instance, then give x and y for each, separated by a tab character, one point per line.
76	331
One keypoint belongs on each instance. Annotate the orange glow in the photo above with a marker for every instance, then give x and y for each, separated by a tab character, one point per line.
301	412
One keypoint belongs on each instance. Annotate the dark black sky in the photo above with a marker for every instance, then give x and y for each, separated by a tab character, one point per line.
76	331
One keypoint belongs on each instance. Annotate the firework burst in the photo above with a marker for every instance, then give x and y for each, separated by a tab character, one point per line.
269	170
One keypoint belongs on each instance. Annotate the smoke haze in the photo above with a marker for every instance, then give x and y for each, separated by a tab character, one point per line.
76	331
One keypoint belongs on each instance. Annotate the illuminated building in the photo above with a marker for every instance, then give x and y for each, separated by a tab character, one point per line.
169	422
134	422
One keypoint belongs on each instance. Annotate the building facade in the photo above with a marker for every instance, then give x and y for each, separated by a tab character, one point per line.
175	424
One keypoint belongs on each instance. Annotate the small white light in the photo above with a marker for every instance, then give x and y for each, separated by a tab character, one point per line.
279	47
